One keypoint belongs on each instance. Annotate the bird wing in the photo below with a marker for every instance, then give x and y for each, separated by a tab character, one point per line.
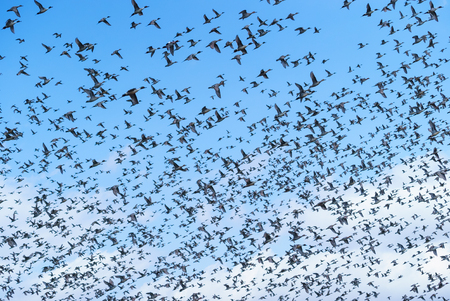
134	100
39	5
217	89
238	42
278	109
313	77
80	45
135	5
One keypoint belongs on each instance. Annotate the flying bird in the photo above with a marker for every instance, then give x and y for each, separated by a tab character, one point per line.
137	10
42	9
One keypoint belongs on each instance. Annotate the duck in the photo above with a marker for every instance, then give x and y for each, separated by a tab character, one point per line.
216	88
116	52
264	73
15	9
10	24
213	45
314	80
193	56
169	61
80	45
151	50
48	48
245	14
369	11
153	22
41	8
104	20
132	94
240	46
137	10
193	43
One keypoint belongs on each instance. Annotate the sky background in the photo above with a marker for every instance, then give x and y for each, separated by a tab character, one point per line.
66	233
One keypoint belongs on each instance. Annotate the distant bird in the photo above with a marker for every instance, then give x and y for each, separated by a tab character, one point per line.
48	48
193	56
15	9
302	30
22	71
315	82
283	60
369	11
216	88
132	94
151	50
81	46
193	43
240	47
207	20
215	30
169	61
137	10
237	57
213	45
10	24
134	25
217	14
154	23
347	4
41	8
245	14
104	20
291	16
116	52
264	73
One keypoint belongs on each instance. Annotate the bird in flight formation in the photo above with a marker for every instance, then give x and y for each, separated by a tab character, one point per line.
307	171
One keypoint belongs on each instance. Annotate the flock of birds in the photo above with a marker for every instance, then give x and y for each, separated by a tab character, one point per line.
328	185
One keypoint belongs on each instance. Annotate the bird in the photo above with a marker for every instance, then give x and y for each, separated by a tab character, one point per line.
15	9
217	14
245	14
283	60
154	23
41	8
264	73
151	50
137	10
347	4
193	56
315	82
369	11
10	24
104	20
132	94
192	42
169	61
240	47
237	57
216	88
116	52
213	45
81	46
47	48
302	30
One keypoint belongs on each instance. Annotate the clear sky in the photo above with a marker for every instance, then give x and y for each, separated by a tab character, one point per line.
304	157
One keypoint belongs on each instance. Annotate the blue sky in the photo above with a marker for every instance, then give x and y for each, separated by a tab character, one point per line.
68	234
